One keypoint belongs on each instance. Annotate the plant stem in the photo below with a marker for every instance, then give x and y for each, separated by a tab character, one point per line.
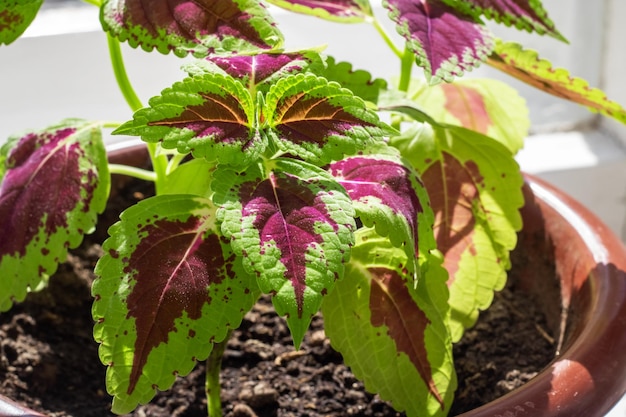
159	162
130	171
119	69
406	66
383	33
212	385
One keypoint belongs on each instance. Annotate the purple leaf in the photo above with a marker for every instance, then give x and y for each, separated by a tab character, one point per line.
384	193
446	42
254	69
523	14
168	283
338	10
199	27
293	224
53	184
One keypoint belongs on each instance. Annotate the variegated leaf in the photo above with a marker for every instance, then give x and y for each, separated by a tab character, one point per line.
294	225
386	194
392	331
475	189
486	106
168	287
318	121
348	11
53	183
528	15
259	71
199	27
528	67
447	43
210	115
15	17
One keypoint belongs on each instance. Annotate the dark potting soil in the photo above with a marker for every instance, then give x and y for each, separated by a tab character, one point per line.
49	360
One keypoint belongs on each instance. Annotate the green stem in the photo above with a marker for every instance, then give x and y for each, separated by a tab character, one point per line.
159	161
175	162
383	33
121	76
406	66
212	386
130	171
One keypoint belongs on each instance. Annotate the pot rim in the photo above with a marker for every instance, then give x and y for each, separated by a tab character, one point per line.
580	381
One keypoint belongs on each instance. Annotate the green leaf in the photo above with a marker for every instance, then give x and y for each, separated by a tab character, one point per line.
199	27
391	331
475	189
15	17
360	82
209	115
293	225
487	106
317	120
168	287
192	177
528	67
53	184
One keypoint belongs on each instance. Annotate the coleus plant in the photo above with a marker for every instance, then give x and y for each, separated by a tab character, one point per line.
275	174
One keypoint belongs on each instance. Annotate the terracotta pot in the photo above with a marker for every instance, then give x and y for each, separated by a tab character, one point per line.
589	376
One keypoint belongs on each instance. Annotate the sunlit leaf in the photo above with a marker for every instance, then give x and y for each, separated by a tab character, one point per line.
259	71
392	331
293	224
475	189
385	194
53	183
15	17
486	106
360	82
446	42
523	14
317	120
167	288
209	115
348	11
528	67
198	27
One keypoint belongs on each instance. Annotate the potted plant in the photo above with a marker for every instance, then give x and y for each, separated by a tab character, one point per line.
275	174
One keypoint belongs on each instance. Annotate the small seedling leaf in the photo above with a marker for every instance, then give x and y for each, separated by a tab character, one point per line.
53	183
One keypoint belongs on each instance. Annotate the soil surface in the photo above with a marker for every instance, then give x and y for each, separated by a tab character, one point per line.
49	360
